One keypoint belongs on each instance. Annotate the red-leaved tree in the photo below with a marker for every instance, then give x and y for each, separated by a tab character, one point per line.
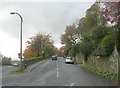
110	11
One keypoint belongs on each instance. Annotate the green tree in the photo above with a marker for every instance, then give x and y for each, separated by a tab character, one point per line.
97	35
91	20
6	60
86	46
75	49
40	45
111	13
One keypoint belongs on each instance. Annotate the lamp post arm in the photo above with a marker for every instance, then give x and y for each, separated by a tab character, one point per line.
19	16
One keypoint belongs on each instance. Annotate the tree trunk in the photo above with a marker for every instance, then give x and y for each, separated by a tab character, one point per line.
83	62
85	58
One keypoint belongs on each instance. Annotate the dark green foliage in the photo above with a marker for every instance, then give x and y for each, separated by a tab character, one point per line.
108	42
75	49
86	46
95	38
118	40
98	33
6	60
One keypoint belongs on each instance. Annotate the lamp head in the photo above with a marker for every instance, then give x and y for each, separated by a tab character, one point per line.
12	13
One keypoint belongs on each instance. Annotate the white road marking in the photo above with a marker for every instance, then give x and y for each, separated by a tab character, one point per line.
39	79
57	69
71	84
43	82
57	74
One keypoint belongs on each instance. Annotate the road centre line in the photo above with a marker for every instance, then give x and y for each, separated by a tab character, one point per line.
71	84
57	68
43	82
57	74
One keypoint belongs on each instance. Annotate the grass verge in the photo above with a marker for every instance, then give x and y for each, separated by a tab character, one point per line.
105	74
17	70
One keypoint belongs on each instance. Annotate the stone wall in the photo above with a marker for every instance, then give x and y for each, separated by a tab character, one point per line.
103	63
31	61
79	59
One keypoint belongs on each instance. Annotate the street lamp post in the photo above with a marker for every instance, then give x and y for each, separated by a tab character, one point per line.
13	13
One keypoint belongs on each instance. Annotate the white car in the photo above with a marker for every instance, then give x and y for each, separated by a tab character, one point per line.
16	64
69	60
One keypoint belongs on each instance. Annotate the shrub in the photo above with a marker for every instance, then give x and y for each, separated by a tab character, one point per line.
17	70
107	45
106	74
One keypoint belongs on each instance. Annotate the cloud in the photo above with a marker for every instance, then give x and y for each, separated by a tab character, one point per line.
43	17
9	46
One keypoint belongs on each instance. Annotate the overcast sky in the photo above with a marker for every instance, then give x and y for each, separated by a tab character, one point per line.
43	17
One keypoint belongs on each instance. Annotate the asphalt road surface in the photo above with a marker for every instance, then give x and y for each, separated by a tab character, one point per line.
55	73
6	69
0	75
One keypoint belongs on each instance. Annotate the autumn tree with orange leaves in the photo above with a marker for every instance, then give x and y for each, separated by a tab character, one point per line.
40	45
69	38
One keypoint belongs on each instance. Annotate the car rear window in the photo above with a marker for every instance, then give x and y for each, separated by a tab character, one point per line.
69	58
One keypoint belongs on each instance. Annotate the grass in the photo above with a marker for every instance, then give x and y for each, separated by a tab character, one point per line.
17	70
106	74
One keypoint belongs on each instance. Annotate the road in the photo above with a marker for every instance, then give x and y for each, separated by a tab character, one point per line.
0	75
55	73
4	71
